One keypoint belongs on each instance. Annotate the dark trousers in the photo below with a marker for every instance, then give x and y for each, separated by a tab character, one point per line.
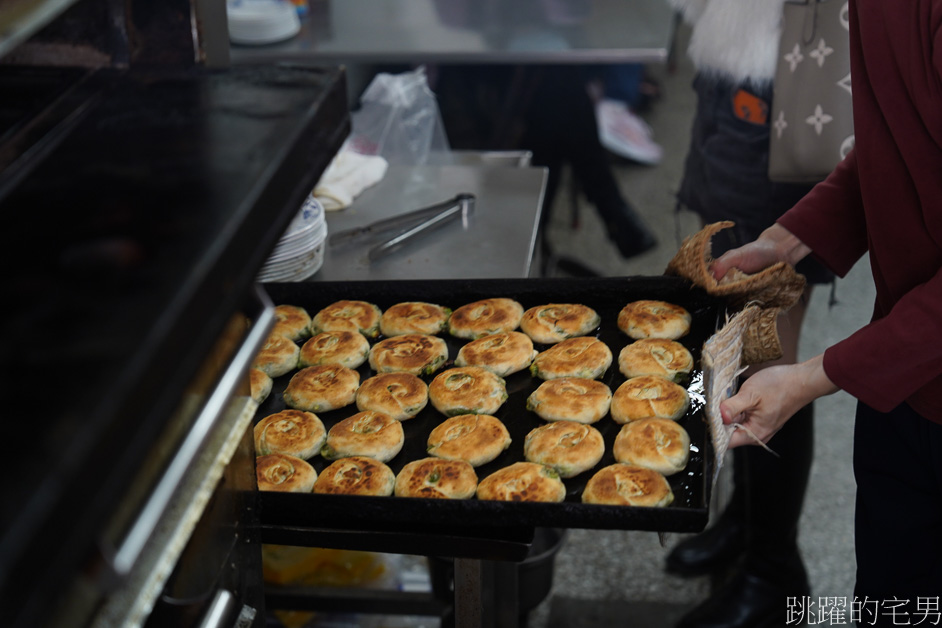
544	109
562	129
773	490
898	468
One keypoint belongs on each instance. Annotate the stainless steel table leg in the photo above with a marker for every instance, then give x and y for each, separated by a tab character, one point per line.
469	599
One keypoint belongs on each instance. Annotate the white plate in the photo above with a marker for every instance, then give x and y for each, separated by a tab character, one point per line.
297	263
261	21
298	247
310	215
300	268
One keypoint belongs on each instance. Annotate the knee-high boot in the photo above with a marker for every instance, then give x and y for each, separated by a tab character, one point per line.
771	570
775	494
721	544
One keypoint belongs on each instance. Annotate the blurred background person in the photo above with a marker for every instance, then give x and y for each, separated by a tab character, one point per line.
883	200
752	550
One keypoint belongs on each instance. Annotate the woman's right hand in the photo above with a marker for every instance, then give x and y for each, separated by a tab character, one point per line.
775	244
769	398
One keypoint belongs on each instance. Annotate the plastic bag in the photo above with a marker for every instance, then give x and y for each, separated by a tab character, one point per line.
399	120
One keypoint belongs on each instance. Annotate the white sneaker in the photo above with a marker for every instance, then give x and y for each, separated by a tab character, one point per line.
625	134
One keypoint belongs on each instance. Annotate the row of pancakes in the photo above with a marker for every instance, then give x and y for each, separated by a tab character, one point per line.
457	446
649	446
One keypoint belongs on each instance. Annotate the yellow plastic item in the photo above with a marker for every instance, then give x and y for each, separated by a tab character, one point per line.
314	566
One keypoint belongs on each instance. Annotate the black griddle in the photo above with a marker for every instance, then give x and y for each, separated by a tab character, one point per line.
691	487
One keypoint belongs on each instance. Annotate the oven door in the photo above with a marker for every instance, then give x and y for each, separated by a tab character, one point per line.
190	553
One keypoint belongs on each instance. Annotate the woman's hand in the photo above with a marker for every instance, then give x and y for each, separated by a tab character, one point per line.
771	396
775	244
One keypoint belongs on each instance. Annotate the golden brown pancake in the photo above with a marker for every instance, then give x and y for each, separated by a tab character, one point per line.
346	348
322	388
487	316
419	354
467	390
400	395
655	356
523	482
371	434
347	315
356	475
259	385
292	432
292	322
570	399
649	396
659	444
626	485
576	357
654	319
285	474
414	317
278	356
475	438
555	322
502	354
437	478
569	447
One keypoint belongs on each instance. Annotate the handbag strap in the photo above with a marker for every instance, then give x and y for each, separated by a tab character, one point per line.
810	26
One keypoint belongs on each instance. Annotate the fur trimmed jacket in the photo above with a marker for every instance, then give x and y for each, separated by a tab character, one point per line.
733	39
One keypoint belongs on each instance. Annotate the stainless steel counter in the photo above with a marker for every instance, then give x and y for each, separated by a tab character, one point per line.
496	241
475	31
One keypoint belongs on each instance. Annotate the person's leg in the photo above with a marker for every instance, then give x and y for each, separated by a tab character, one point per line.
898	519
560	129
726	178
719	546
725	542
776	484
768	497
623	82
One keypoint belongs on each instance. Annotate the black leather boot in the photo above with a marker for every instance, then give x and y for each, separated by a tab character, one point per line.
748	601
775	494
771	570
711	551
720	545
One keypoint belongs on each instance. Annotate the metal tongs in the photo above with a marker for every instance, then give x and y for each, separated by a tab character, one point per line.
411	225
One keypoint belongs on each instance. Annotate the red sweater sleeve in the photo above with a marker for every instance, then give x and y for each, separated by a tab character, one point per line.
899	353
887	361
885	198
830	219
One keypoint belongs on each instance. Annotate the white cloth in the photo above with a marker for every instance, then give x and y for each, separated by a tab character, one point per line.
347	176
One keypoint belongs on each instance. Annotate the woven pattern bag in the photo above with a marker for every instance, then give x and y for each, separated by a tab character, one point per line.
812	125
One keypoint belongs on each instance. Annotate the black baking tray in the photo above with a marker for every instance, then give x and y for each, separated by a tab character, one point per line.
690	509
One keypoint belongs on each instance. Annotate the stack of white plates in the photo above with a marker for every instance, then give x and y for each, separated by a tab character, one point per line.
258	22
300	251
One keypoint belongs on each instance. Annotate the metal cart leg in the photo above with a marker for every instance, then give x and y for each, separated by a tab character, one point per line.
469	587
486	594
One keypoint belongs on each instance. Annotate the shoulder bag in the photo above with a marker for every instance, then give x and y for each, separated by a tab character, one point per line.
812	126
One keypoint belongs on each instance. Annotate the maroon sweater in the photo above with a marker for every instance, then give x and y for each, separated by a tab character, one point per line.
886	198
